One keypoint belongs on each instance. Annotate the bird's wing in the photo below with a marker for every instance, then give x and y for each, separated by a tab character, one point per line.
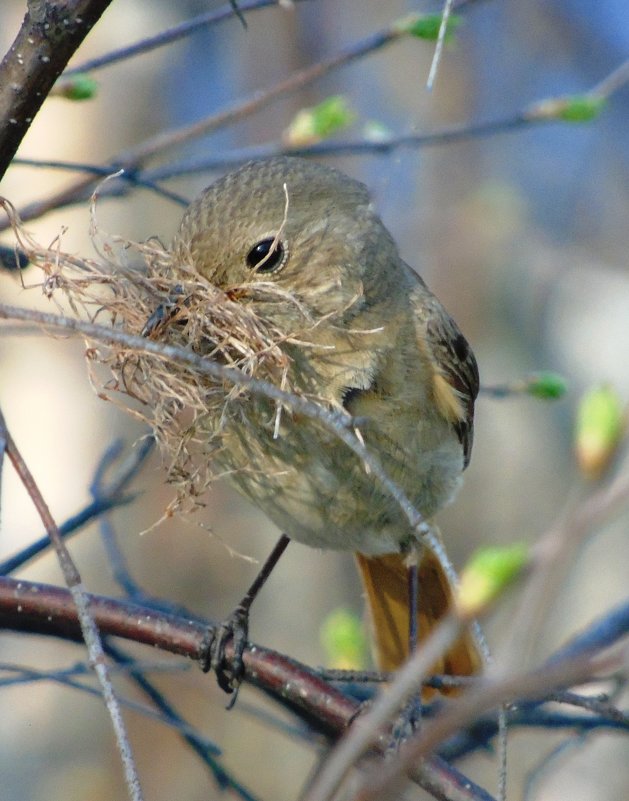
455	372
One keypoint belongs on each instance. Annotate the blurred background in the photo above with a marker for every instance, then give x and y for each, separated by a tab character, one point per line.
522	235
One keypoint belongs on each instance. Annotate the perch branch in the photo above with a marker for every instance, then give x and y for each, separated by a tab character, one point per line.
43	609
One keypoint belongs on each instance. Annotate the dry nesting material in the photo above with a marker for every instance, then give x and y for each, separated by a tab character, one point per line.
138	288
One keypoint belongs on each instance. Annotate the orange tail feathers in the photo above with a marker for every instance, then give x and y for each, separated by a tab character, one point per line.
386	583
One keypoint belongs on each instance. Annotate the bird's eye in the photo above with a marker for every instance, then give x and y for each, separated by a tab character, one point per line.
267	256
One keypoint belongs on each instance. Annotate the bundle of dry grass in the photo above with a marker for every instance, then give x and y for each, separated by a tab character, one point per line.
138	288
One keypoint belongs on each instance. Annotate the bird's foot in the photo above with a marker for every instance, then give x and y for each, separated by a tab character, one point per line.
406	724
229	670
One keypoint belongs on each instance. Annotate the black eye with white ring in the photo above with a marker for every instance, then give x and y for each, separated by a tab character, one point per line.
267	256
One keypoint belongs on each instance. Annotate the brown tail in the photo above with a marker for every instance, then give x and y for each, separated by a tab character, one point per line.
386	582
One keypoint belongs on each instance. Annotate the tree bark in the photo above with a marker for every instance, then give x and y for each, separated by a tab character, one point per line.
50	34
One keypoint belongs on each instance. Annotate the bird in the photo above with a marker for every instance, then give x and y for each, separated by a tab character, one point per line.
361	331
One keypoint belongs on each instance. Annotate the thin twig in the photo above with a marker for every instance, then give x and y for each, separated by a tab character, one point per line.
614	625
204	748
3	451
366	729
553	554
110	497
441	38
69	677
479	736
592	704
332	148
340	148
89	630
98	489
172	34
613	82
135	157
127	180
70	527
150	178
521	685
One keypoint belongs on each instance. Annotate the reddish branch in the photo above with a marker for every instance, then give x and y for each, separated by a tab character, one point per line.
43	609
50	34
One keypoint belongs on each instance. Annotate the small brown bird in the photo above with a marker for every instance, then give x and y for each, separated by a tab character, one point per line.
363	332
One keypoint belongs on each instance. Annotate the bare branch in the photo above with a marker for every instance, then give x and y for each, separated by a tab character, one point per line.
527	685
38	608
50	34
108	496
43	609
135	157
436	59
173	34
89	630
535	114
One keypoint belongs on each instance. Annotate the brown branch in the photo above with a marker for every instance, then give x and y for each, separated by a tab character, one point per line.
50	34
43	609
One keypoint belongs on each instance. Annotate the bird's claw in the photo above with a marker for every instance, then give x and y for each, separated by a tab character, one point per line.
229	670
406	724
